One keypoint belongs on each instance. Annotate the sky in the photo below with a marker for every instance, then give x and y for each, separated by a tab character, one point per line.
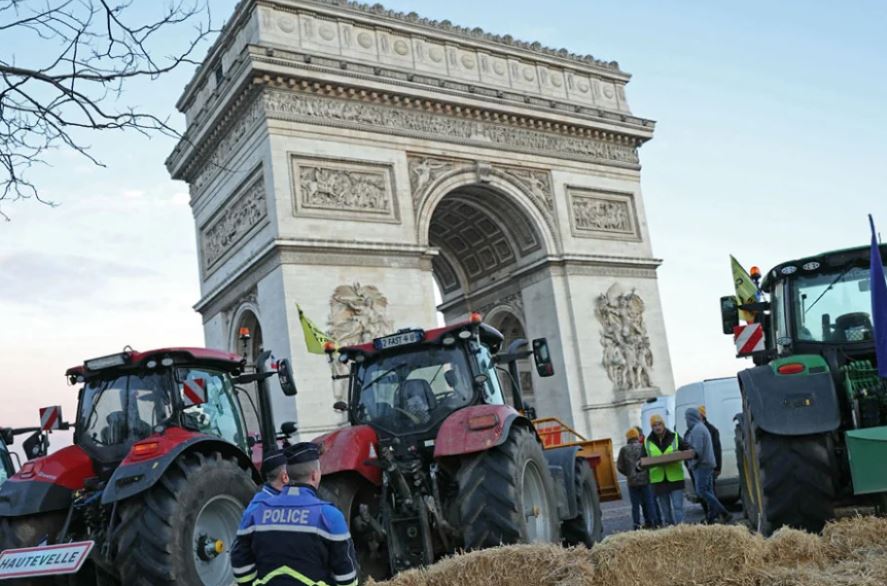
769	145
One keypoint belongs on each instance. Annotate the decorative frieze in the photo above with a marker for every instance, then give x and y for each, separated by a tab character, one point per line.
353	113
600	214
237	217
357	190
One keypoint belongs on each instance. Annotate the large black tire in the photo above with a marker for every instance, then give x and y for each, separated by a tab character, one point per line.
157	541
29	531
492	507
585	528
791	479
347	492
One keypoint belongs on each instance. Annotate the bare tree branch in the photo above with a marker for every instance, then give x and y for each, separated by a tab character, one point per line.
89	51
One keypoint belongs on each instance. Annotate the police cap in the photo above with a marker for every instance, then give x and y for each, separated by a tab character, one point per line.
272	461
302	452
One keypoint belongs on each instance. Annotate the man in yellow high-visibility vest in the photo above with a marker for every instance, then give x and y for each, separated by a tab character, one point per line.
667	480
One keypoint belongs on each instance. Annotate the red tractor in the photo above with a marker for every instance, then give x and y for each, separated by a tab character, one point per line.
436	461
153	488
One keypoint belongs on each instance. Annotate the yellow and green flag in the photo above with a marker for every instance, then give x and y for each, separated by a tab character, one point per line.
314	336
746	291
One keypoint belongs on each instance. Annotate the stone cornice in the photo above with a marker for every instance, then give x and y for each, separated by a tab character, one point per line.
486	127
379	12
329	69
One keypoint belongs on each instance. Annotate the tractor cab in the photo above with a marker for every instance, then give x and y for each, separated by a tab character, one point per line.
130	396
409	382
817	305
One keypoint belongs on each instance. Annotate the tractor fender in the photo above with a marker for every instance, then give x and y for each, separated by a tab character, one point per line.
795	404
46	484
350	449
477	429
562	464
141	470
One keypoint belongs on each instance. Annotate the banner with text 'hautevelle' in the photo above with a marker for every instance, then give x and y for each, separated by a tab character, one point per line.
314	336
746	290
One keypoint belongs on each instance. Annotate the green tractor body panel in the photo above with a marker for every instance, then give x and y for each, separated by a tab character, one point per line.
812	363
867	452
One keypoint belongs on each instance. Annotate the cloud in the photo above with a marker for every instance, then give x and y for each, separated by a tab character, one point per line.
32	278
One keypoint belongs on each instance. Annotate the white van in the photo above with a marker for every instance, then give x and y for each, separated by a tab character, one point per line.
662	406
722	402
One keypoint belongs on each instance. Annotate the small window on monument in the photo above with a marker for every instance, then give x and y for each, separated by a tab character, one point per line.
218	74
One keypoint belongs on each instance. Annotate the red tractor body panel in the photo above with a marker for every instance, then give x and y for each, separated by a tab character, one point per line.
475	429
348	449
68	468
158	445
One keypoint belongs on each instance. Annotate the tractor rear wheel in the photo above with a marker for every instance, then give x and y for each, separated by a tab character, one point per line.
348	493
585	528
29	531
790	478
506	495
181	531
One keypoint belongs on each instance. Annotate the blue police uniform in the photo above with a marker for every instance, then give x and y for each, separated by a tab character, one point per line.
263	495
294	538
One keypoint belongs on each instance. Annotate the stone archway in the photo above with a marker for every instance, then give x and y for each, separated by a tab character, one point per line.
342	147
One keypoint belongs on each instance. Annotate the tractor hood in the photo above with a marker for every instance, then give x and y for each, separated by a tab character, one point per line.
46	484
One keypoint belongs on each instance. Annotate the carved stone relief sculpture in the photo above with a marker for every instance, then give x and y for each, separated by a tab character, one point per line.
601	214
328	188
627	356
237	217
358	313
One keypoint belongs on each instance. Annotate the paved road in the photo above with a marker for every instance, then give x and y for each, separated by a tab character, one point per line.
617	514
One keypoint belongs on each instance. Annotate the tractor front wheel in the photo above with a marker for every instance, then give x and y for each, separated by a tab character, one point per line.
181	531
29	531
585	528
506	495
790	480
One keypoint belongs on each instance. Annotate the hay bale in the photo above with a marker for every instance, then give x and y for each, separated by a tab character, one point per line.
790	548
686	555
513	565
855	538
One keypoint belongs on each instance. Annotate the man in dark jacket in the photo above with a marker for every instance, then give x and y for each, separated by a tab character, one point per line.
667	480
295	539
638	480
715	440
702	466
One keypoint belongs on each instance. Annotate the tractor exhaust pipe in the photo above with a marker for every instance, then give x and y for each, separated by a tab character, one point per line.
266	413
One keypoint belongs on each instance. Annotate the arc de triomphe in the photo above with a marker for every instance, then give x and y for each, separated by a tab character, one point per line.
347	157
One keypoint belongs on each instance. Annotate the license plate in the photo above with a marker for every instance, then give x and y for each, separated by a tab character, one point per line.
48	560
398	340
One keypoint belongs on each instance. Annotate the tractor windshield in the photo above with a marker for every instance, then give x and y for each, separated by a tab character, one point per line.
833	307
121	409
409	391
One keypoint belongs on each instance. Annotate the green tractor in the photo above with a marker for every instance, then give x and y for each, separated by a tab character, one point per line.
812	434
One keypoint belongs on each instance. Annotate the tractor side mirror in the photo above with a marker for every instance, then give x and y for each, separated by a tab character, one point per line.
194	392
340	406
35	445
288	428
285	376
542	357
729	314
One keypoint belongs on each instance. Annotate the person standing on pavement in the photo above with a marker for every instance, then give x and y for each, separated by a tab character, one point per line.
667	480
628	463
716	444
295	538
703	465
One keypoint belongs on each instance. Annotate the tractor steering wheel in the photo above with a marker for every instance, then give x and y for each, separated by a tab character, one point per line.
411	416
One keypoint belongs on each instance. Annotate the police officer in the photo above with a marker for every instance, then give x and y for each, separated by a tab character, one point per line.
275	475
294	538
